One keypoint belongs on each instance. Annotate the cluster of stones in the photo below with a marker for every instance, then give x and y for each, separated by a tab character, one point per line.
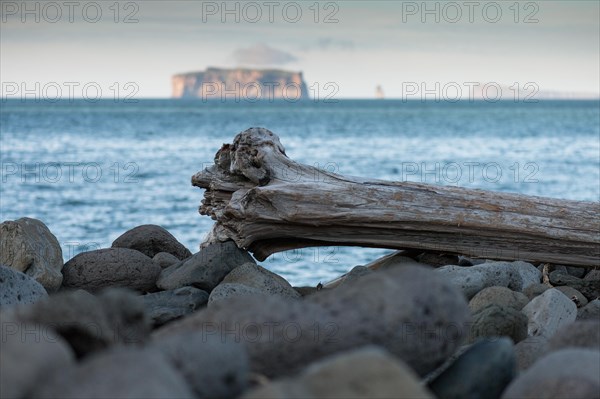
147	318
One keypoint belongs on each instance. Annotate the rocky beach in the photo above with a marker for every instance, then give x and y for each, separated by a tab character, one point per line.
147	318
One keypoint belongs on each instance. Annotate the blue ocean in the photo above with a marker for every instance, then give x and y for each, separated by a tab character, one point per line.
91	171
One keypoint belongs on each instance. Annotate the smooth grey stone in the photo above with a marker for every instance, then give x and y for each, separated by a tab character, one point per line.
165	306
255	276
204	269
150	240
118	373
111	267
27	245
567	373
18	288
212	367
482	371
472	279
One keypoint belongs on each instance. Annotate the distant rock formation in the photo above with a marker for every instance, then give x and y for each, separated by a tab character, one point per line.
240	85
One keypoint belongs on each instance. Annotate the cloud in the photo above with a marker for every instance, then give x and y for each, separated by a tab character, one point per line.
261	54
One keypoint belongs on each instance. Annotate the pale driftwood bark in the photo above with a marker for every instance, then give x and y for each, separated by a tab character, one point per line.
267	203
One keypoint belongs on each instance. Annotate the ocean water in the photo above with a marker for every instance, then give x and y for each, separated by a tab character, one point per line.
91	171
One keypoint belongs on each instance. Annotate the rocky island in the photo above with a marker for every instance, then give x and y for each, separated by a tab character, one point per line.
240	84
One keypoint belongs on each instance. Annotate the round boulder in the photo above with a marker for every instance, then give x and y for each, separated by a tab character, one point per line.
151	239
111	267
17	287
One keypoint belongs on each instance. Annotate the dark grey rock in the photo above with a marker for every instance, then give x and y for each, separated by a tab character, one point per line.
169	305
567	373
411	311
28	355
472	279
257	277
590	311
535	289
498	296
498	321
590	288
438	259
111	267
165	259
227	291
204	269
364	373
118	373
90	323
151	239
482	371
576	271
212	367
27	245
580	334
18	288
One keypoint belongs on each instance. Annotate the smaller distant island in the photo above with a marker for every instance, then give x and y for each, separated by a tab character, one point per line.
240	84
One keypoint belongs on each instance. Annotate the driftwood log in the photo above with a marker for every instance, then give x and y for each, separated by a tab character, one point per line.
268	203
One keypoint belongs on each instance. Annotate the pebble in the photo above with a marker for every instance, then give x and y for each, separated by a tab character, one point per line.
118	373
472	279
29	354
111	267
29	247
204	269
592	275
213	368
548	312
568	373
498	321
18	288
590	288
498	296
91	323
150	240
165	306
363	373
482	371
411	311
577	297
165	259
581	334
590	311
577	271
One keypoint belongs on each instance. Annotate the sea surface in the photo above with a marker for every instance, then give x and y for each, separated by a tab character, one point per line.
91	171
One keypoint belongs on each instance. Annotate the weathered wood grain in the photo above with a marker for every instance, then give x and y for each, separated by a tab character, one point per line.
268	203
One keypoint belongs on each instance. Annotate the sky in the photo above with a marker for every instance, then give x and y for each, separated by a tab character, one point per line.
344	48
